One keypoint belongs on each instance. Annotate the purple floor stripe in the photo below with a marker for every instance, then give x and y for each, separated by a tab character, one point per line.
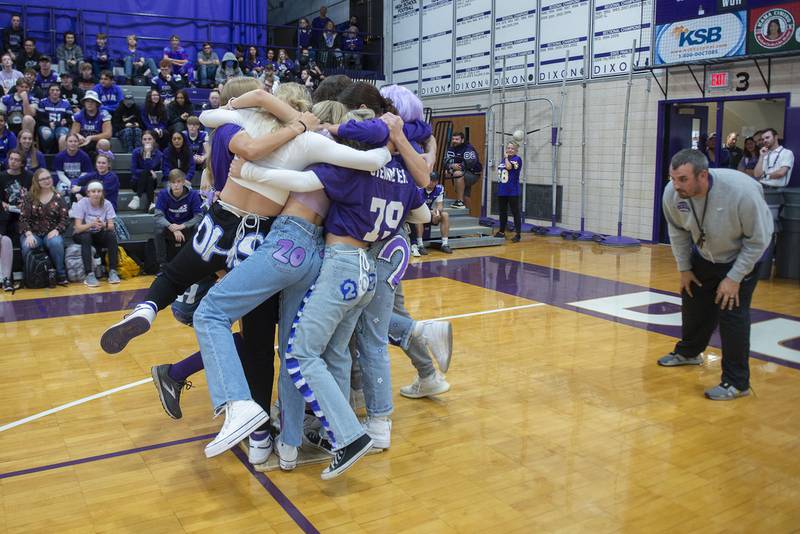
103	456
298	517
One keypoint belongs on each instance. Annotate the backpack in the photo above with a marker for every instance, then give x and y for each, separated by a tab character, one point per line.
74	263
37	267
126	266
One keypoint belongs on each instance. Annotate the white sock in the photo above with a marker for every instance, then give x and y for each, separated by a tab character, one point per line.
419	242
444	241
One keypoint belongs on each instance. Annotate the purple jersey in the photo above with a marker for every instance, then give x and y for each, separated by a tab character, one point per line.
7	141
196	144
110	96
509	177
13	105
91	125
43	83
368	206
375	133
221	156
50	111
431	197
72	166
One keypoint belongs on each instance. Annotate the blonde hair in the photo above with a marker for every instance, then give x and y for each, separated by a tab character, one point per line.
295	95
36	188
237	86
329	111
516	145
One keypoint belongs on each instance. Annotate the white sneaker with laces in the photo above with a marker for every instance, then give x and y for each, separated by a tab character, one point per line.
134	203
132	325
380	430
287	456
415	251
260	449
241	418
437	336
152	208
426	387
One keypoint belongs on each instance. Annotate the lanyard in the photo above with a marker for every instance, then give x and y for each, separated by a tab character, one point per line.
702	239
777	156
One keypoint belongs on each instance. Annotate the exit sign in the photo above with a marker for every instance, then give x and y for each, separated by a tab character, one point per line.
719	80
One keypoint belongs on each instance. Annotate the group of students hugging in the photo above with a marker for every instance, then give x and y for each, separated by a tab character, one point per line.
306	232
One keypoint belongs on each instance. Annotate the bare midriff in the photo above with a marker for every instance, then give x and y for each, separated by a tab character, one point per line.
248	201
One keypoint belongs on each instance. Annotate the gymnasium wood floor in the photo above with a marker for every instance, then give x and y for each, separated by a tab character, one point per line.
558	420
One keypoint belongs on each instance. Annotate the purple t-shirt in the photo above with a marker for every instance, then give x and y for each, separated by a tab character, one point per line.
72	166
221	156
91	125
368	206
87	213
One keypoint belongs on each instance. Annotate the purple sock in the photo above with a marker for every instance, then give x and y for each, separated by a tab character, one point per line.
188	366
185	368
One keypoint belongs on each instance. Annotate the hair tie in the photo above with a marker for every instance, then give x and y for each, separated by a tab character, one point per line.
305	128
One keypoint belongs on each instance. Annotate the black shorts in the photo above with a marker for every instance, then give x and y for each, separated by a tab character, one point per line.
470	179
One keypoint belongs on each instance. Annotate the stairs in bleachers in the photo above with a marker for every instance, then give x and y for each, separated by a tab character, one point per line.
465	230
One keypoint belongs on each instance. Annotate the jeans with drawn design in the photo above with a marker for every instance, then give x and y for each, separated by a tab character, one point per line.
372	331
317	355
288	256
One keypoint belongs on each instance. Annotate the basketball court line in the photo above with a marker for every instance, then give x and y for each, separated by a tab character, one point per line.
108	392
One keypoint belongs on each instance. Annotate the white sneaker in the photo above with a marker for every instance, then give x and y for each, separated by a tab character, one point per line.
437	336
134	203
287	456
132	325
241	418
260	449
380	430
425	387
152	208
415	251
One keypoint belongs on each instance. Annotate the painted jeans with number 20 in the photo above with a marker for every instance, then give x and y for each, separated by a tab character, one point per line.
372	331
288	260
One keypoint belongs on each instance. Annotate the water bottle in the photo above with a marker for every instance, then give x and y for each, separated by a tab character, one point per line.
51	278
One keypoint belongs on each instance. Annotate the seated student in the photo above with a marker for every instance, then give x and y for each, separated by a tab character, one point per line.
253	65
13	37
20	107
207	64
69	54
70	92
31	155
179	111
53	118
154	117
8	140
165	82
136	63
176	55
15	181
94	226
146	164
109	92
177	214
284	65
45	78
8	75
86	77
178	156
271	59
99	55
126	123
43	219
196	138
101	174
213	100
29	57
92	125
434	198
69	164
229	69
352	46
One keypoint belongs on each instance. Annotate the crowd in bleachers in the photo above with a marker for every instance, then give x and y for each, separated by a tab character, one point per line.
61	116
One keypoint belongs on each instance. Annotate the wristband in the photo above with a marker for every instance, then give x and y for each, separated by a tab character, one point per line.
305	128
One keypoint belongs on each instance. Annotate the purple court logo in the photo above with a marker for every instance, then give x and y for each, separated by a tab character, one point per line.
774	28
683	206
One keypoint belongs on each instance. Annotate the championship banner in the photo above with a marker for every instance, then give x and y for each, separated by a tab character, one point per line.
473	44
616	24
405	43
514	36
564	28
437	47
774	29
705	38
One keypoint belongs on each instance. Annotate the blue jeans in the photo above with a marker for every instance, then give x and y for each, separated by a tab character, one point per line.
400	329
48	137
206	73
130	138
55	249
289	251
131	70
372	332
317	355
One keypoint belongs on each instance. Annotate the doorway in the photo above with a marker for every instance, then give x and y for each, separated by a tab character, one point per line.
705	124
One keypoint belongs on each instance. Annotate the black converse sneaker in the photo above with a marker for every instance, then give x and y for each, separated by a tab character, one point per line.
316	440
345	457
169	390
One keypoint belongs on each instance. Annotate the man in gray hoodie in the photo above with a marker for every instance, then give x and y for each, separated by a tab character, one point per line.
229	69
719	226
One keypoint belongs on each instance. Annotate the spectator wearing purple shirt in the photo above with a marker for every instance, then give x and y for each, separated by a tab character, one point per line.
94	226
253	65
109	92
100	55
101	174
166	83
45	77
352	46
305	35
177	56
154	117
92	125
53	117
178	210
69	164
319	23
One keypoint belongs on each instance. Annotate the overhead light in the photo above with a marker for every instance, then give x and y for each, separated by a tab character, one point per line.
700	10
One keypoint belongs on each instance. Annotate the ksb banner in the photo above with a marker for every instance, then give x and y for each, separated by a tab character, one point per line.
698	39
774	29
